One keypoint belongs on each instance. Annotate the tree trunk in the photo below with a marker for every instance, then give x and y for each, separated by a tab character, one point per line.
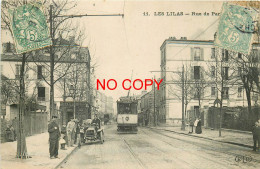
21	142
249	106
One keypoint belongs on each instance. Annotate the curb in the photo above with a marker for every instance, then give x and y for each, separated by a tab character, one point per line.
62	161
227	142
238	131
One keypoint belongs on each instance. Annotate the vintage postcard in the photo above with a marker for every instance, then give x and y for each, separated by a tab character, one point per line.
127	84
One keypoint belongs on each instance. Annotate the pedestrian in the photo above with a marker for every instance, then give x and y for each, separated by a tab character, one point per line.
63	137
191	123
255	136
258	134
54	137
12	136
70	128
198	129
74	135
78	134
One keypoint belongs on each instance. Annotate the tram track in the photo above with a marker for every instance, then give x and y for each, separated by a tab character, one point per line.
179	159
133	154
206	147
168	143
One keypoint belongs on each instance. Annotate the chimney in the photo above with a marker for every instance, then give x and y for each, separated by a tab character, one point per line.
215	35
172	38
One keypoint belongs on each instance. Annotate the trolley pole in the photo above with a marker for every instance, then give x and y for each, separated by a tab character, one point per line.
51	18
182	99
154	104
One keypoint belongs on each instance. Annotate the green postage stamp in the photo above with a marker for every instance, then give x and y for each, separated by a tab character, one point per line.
236	28
29	27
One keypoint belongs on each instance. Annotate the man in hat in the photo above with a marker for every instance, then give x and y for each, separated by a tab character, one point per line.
54	136
96	121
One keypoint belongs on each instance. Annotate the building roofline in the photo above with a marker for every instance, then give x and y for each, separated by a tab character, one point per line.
182	41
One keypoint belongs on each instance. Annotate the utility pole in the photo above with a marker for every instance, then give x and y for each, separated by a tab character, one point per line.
52	55
182	99
64	99
154	104
89	88
51	65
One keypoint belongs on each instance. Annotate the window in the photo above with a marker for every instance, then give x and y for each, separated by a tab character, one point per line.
39	72
225	73
197	53
17	70
8	47
254	56
239	55
239	92
197	111
212	53
213	71
225	92
196	72
239	71
199	92
224	55
41	94
254	72
213	91
1	69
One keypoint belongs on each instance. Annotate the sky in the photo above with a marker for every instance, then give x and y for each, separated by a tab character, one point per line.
119	45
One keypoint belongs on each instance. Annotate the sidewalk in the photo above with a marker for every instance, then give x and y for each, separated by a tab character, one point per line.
37	148
244	139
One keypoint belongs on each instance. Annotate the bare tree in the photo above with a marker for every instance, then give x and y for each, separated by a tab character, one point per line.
176	89
223	78
247	67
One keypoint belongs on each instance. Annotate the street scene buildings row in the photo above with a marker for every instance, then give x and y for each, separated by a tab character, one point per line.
74	94
200	69
194	67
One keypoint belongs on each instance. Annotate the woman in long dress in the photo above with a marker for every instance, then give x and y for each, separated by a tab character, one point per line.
198	127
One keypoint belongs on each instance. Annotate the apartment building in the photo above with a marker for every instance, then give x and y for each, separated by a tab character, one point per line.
195	66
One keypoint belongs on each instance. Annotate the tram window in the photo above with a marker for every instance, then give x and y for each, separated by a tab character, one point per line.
133	109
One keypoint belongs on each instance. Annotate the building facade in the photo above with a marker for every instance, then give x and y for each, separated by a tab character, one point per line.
37	73
195	70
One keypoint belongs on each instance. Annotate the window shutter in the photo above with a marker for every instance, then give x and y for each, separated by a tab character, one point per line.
201	54
47	94
192	72
26	73
202	93
35	72
191	53
45	73
201	72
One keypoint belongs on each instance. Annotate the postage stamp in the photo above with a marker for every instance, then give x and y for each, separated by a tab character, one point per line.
29	27
236	28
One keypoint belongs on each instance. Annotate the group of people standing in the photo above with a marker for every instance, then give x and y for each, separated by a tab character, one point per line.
73	133
197	125
69	135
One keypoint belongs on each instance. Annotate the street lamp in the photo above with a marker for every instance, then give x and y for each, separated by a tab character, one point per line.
72	94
